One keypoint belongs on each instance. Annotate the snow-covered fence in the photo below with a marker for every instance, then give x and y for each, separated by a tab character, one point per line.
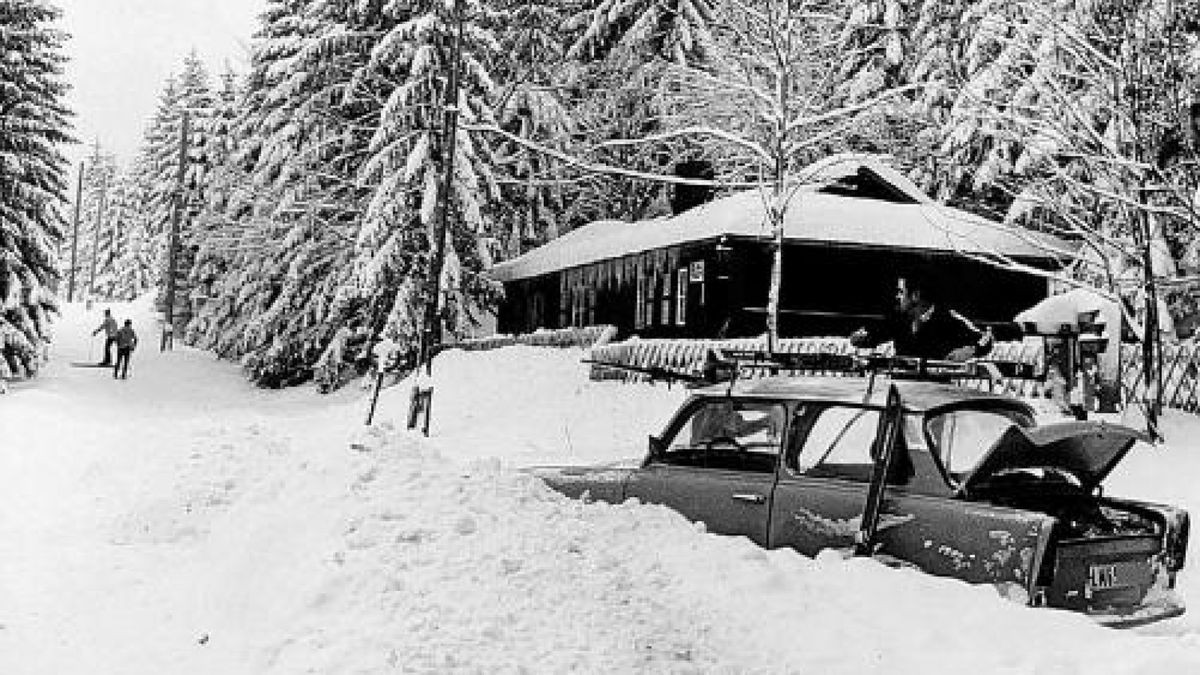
687	357
1180	376
1180	364
586	336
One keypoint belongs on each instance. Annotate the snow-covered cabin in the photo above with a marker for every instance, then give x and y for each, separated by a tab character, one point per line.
705	272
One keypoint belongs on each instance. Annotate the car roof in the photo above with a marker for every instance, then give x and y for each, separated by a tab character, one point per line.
918	396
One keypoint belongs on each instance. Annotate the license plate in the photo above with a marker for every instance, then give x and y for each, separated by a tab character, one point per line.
1102	576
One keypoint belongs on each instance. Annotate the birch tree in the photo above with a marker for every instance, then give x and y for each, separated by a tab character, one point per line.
1082	115
772	99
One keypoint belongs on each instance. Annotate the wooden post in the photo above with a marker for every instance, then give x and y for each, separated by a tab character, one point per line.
375	394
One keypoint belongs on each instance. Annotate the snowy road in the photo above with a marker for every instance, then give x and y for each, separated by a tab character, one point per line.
183	522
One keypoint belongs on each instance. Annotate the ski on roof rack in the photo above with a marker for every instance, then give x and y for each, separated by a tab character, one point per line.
667	375
871	364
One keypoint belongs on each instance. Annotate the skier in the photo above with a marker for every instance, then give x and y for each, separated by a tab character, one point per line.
126	340
923	328
109	326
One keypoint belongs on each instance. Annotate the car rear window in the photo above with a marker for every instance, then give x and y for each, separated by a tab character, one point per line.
962	437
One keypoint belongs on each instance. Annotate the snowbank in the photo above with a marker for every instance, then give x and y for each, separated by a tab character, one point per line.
184	522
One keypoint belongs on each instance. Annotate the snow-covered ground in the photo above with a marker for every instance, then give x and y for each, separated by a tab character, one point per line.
184	522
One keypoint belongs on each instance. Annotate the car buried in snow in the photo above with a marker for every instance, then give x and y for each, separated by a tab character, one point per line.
957	482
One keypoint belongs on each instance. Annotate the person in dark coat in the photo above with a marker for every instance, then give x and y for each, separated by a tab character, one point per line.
922	327
126	341
109	326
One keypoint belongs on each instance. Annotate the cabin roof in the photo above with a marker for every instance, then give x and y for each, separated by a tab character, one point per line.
826	210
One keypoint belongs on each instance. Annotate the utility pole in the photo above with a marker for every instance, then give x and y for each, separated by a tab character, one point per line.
431	334
176	216
421	399
96	231
75	231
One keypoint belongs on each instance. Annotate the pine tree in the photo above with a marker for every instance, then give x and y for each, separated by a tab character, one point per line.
676	30
533	204
624	48
33	123
155	169
409	158
300	142
134	267
97	227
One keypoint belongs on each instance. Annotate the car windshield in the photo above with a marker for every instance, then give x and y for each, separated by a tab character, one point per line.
961	437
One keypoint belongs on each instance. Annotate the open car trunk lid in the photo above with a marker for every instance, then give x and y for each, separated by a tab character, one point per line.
1112	560
1088	451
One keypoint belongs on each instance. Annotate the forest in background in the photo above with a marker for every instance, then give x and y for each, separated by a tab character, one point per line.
313	182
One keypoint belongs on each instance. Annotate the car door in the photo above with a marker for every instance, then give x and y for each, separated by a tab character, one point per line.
717	465
819	501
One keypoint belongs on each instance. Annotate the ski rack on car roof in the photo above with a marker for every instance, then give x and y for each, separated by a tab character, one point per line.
870	365
654	373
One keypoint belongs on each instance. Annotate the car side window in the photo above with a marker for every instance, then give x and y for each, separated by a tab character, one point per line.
729	434
839	443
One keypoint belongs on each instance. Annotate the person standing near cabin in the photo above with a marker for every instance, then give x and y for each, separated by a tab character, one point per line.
922	327
126	341
109	326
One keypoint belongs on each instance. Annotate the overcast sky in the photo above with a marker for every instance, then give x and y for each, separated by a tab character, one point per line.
122	51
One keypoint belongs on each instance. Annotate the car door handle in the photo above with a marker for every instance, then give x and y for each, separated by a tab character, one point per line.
750	498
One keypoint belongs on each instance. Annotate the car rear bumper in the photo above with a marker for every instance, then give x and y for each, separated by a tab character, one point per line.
1161	609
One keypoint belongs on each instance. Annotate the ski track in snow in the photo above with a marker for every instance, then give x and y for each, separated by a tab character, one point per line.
184	522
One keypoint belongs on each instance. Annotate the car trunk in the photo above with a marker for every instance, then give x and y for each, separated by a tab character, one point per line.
1113	559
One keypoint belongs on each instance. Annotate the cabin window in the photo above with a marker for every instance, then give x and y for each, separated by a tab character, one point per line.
648	300
681	285
664	281
591	306
639	302
579	302
574	305
537	311
564	304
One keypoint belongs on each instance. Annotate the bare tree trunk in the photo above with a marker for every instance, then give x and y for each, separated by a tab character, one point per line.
775	214
1151	351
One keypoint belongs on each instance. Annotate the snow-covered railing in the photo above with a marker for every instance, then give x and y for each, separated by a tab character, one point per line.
586	336
687	357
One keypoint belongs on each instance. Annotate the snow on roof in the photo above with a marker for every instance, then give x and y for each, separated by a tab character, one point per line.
812	216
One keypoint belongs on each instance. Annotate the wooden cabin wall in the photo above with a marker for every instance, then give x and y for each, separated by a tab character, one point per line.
826	290
833	291
641	294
